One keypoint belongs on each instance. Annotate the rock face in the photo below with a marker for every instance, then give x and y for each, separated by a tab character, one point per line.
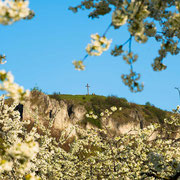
40	107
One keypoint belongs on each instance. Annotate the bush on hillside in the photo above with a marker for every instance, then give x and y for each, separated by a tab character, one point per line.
160	114
115	101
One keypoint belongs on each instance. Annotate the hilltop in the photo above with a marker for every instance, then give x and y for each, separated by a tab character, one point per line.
130	111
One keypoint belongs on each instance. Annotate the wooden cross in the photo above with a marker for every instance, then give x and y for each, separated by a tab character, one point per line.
87	89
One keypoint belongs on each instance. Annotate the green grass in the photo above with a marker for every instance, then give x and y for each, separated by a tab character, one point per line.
80	99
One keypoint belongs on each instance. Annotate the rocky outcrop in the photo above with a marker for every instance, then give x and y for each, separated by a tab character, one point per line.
40	107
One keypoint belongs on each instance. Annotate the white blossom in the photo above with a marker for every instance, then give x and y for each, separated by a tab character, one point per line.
98	45
119	18
11	11
79	65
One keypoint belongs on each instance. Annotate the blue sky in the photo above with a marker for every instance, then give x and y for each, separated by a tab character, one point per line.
40	53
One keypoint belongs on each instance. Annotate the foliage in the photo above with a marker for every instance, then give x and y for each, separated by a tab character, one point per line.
161	115
144	19
36	88
119	102
94	122
148	104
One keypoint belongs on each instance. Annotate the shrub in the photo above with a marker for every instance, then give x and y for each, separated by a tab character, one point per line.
115	101
36	88
160	114
148	104
56	96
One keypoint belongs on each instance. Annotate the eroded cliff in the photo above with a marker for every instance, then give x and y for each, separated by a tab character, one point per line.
67	112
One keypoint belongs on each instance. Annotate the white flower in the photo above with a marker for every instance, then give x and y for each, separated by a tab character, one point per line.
5	165
95	36
11	11
13	90
94	116
27	149
106	43
79	65
18	8
10	77
119	18
113	108
87	115
18	5
32	176
98	45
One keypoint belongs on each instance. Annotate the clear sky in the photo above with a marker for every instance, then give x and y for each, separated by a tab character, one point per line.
40	53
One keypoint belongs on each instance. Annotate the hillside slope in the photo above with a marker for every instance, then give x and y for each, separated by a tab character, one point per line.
68	110
131	112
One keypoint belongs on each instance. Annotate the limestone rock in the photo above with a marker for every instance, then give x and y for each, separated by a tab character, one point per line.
40	107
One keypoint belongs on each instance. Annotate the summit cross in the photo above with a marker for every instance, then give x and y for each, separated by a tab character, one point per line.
87	88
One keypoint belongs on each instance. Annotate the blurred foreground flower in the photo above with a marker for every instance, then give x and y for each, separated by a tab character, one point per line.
5	165
98	45
13	90
119	18
2	58
12	11
79	65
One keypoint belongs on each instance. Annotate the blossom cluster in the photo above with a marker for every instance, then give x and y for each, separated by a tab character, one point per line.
17	151
79	65
13	90
98	45
106	112
119	18
96	48
175	118
12	11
